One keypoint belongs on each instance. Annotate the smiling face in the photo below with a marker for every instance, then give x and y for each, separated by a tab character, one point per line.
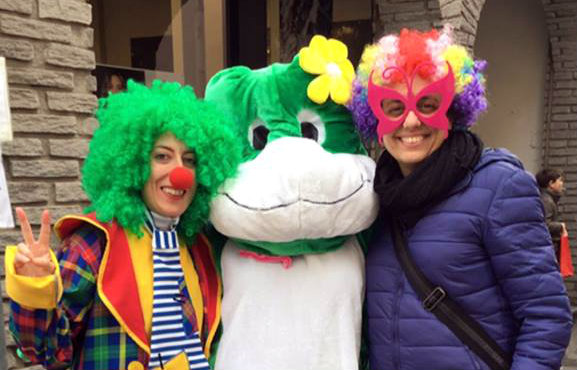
413	141
159	194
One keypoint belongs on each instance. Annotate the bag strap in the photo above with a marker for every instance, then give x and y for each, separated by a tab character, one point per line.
436	301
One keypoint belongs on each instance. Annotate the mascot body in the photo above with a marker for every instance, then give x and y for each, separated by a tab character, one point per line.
293	268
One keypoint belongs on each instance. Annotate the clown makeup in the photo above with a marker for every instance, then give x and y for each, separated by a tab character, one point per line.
171	186
412	141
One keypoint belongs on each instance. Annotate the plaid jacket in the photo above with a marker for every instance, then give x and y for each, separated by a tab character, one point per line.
99	322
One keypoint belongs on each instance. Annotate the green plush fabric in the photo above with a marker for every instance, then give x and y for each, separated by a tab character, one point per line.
274	96
294	248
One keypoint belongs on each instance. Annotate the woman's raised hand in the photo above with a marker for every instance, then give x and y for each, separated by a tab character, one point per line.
33	256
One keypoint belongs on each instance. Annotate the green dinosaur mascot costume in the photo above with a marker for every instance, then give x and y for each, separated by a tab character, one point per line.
293	270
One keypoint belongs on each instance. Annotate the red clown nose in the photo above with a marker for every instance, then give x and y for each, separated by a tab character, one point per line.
181	178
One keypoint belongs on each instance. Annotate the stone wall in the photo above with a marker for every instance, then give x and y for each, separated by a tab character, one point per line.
48	47
392	15
560	128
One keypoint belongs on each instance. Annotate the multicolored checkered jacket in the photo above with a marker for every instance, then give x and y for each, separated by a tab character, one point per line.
98	313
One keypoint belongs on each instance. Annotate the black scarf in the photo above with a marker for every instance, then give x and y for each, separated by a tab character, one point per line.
410	198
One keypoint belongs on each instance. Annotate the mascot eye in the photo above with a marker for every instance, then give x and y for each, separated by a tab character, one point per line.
309	131
259	137
312	126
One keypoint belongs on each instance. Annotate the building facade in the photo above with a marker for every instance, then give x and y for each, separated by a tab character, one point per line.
54	47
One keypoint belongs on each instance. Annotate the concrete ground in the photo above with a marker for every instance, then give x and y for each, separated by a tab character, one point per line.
570	360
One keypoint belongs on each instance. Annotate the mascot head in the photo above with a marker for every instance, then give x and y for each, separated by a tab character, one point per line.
306	182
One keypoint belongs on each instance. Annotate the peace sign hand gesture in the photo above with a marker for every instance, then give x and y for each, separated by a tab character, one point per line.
33	256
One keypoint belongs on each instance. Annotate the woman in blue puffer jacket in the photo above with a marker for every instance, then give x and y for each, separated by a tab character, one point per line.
471	218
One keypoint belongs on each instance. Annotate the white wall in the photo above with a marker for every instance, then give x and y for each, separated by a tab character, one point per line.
512	37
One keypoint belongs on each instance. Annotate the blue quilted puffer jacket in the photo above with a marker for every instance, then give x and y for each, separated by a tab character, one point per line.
487	245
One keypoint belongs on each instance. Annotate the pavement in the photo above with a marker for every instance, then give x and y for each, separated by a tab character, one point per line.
570	360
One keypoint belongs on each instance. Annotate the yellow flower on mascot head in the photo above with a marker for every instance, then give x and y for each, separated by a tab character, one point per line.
329	60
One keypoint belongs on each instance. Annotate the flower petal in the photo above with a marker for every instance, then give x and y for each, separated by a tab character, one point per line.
320	45
311	61
337	51
318	89
347	69
340	90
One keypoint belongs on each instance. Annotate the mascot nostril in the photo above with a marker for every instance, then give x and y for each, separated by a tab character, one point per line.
181	178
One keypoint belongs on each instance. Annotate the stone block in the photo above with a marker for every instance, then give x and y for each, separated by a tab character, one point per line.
566	84
34	213
44	123
76	103
42	30
557	143
72	148
88	126
565	117
44	168
66	10
41	77
565	101
70	192
92	83
406	17
16	49
564	134
83	37
557	161
402	7
18	6
563	152
23	147
28	192
70	56
10	236
24	99
563	9
452	9
562	93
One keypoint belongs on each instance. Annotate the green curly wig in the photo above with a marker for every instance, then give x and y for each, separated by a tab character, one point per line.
118	163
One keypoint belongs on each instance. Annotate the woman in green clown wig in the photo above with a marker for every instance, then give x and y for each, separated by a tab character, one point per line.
133	284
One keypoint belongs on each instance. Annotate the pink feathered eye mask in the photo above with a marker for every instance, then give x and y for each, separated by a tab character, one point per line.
430	105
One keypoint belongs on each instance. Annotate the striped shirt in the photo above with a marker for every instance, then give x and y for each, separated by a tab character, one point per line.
168	337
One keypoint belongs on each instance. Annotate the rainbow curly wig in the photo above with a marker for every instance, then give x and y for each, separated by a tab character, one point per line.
118	163
407	51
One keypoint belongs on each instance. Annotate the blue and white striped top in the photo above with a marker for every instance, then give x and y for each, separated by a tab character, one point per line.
168	337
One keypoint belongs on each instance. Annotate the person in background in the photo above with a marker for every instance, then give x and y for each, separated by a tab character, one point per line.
468	218
134	284
551	184
113	83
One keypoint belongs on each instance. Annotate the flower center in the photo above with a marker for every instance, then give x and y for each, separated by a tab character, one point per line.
333	70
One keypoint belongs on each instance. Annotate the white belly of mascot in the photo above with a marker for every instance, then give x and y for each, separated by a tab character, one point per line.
307	316
294	199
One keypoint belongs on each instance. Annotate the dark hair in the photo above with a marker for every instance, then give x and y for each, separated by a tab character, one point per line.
546	175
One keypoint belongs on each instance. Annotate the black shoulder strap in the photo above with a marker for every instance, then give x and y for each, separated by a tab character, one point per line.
436	301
